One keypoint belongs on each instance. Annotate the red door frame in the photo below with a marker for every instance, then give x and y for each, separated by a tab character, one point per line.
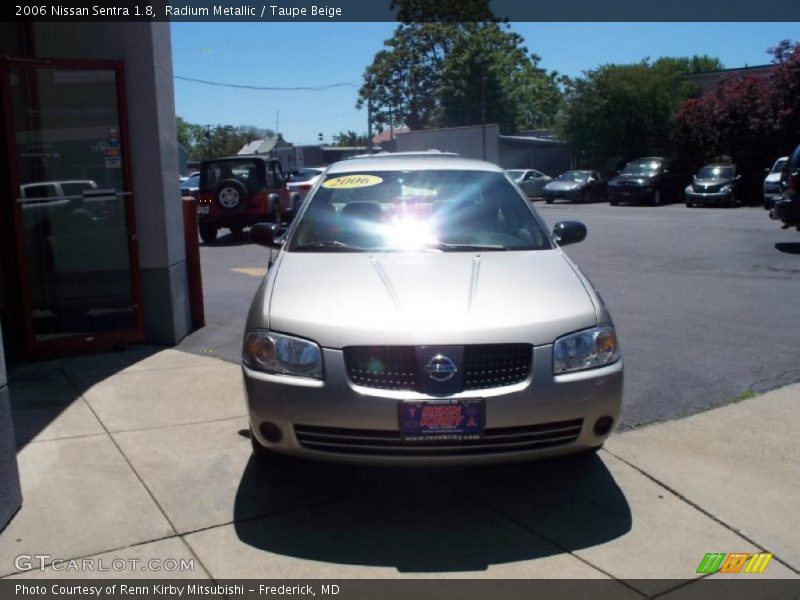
97	341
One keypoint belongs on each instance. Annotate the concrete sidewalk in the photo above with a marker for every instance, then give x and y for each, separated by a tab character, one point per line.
144	454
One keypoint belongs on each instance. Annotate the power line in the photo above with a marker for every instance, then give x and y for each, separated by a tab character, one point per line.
318	88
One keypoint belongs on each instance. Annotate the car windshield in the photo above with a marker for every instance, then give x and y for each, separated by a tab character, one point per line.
579	176
779	166
716	172
244	171
440	210
642	168
515	174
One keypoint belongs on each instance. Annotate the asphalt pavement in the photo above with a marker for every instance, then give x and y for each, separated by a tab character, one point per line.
704	300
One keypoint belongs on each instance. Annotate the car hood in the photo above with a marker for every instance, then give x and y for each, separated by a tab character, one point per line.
630	178
563	186
417	298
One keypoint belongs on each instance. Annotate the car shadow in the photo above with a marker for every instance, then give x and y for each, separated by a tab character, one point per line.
230	239
788	247
428	520
41	391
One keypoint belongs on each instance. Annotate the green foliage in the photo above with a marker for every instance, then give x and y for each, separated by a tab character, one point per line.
350	138
209	141
751	119
431	74
624	111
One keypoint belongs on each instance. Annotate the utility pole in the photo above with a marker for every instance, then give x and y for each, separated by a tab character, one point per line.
369	115
208	142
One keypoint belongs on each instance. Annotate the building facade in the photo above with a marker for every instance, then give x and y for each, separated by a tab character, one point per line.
93	253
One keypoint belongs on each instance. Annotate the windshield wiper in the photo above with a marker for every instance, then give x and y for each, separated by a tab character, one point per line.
328	245
445	247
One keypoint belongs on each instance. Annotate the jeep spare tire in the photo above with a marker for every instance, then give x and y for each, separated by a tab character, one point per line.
231	196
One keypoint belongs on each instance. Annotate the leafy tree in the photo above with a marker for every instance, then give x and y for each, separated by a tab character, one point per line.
440	59
351	138
751	119
206	141
623	111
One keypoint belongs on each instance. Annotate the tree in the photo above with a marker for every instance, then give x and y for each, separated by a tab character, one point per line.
624	111
439	61
351	138
206	141
751	119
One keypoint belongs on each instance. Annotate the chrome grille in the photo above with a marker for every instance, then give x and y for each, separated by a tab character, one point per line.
379	442
396	368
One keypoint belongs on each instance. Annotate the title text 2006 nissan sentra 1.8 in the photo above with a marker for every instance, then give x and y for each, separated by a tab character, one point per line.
419	311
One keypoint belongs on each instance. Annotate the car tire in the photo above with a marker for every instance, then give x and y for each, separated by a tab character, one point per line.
656	198
732	200
208	232
614	202
689	204
548	200
237	230
231	196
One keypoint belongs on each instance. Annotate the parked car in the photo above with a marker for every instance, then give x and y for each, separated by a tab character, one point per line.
191	186
303	180
652	180
713	184
531	181
240	191
576	186
772	182
787	207
395	325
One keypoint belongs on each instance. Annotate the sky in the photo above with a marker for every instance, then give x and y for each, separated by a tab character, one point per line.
318	54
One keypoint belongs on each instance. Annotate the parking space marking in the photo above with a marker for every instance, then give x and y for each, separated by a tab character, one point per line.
252	271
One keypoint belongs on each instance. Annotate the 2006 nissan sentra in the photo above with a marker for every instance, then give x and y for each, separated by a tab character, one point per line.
419	311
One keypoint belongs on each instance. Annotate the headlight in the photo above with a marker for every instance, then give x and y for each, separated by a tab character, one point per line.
585	350
688	189
282	354
725	189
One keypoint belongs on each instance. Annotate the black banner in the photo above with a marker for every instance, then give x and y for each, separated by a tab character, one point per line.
381	10
748	587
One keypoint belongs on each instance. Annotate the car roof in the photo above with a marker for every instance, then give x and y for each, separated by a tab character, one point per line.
241	157
649	159
411	161
718	164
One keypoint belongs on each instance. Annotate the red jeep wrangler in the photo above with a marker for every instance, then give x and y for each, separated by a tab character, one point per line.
239	191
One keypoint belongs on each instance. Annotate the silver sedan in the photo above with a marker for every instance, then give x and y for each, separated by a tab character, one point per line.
418	311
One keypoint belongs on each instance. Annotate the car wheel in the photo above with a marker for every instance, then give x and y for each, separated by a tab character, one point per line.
689	205
732	200
276	213
231	196
208	232
613	202
657	198
237	230
548	200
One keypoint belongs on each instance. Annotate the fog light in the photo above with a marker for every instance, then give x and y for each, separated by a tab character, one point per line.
271	432
603	425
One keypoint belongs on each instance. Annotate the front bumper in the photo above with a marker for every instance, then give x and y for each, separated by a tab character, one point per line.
630	194
543	401
707	197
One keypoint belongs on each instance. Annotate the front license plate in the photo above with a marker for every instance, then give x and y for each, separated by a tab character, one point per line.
428	420
202	210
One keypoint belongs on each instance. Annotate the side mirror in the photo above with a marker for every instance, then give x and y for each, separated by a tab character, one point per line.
694	177
569	232
265	234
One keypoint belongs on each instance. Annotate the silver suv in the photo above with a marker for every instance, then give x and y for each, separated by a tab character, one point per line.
418	311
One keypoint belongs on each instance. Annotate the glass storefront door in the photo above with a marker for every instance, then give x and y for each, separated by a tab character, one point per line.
73	204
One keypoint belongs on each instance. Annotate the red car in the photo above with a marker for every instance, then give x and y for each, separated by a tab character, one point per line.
240	191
